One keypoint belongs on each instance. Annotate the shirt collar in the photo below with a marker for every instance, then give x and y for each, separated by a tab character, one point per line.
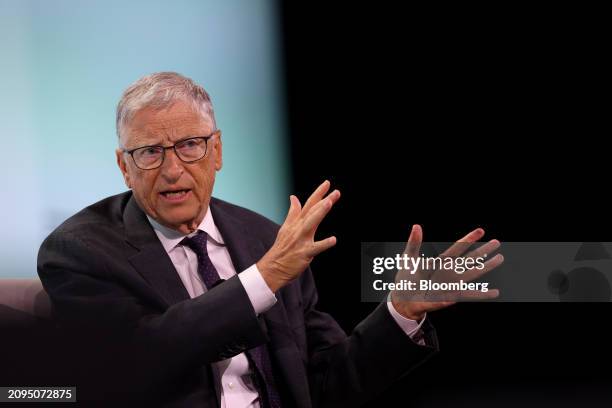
170	238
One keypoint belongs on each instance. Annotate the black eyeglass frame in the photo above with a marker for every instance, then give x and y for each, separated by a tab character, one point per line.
164	148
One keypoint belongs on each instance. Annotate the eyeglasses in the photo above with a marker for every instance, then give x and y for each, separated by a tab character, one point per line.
188	150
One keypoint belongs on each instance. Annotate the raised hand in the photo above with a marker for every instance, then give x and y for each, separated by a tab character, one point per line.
414	304
295	246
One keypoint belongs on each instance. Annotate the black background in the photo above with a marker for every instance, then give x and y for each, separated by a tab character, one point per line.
456	118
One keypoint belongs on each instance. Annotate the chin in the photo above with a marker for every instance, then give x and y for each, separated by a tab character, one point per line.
177	221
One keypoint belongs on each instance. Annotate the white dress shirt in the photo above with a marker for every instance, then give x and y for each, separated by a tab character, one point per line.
233	376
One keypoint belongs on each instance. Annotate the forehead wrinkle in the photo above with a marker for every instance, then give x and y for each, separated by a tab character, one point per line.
157	130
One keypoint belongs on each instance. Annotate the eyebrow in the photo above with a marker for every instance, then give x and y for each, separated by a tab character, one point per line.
160	144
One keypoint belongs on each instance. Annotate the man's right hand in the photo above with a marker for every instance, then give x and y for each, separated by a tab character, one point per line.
295	246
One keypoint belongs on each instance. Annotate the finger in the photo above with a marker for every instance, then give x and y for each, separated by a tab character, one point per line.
323	245
491	264
429	306
478	295
413	246
316	196
439	305
458	296
423	305
464	243
319	211
440	300
294	209
485	249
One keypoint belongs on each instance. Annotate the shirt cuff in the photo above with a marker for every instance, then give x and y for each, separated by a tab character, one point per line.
261	296
409	326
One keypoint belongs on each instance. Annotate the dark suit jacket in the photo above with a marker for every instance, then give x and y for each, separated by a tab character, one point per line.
107	273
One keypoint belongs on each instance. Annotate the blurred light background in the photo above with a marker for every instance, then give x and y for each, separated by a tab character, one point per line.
63	68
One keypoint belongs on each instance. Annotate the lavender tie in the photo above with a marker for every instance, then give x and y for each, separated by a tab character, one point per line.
257	356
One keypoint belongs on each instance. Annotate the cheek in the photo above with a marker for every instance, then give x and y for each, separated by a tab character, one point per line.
204	181
143	188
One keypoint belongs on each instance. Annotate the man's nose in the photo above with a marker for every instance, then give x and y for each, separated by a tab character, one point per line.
172	167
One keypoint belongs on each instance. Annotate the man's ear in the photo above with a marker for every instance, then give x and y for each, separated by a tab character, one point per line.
218	152
123	167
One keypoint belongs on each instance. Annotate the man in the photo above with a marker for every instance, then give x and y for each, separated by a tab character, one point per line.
219	302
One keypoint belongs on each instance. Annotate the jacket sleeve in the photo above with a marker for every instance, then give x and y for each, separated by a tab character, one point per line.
88	297
352	370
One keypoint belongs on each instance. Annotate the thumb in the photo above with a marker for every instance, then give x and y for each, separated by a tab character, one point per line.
295	208
414	241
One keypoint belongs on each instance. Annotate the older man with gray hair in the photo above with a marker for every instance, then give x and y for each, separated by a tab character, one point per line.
218	301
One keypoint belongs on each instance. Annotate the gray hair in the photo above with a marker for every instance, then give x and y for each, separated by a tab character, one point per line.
160	90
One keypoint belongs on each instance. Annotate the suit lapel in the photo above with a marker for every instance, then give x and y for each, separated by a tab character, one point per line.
151	261
245	249
154	265
241	245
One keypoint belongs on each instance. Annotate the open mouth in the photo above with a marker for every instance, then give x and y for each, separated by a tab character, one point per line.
174	195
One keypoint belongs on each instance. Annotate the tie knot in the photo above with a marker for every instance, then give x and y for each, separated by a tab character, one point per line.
197	243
